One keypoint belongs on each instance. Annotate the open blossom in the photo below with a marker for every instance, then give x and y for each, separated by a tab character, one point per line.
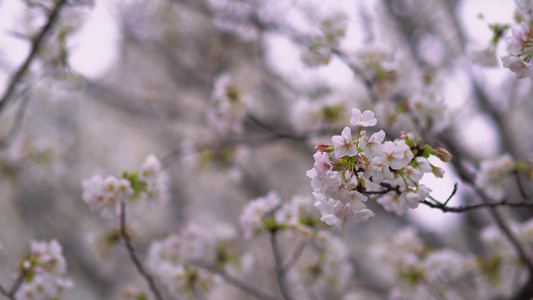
228	106
321	167
520	40
396	154
343	144
492	173
372	146
517	65
100	195
364	119
391	203
47	265
150	168
251	218
378	171
521	52
170	258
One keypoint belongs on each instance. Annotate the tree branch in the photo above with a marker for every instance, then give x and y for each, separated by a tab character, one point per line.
14	288
465	208
35	47
280	275
232	280
133	256
294	258
7	140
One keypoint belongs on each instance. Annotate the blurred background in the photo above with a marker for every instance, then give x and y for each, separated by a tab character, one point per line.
118	80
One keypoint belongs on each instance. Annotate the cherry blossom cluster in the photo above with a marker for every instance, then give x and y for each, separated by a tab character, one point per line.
332	29
267	213
492	173
258	216
520	52
172	259
228	106
330	269
138	190
368	165
311	115
415	270
43	272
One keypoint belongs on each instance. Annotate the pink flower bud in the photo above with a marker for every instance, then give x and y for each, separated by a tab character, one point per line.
323	148
438	172
443	154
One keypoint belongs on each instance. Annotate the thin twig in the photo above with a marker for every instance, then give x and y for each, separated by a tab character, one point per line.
198	293
280	275
232	280
452	194
36	45
520	186
255	140
7	140
465	208
447	200
149	279
294	258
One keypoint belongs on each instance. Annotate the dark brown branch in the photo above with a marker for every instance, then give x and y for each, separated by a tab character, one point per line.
465	208
35	47
232	280
14	288
172	157
520	186
133	256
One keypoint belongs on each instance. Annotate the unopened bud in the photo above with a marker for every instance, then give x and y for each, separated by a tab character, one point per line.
323	148
438	172
360	161
403	135
443	154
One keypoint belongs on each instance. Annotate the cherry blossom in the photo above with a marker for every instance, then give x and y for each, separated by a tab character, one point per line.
364	119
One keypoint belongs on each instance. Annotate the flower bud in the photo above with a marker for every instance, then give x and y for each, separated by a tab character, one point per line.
323	148
438	172
443	154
